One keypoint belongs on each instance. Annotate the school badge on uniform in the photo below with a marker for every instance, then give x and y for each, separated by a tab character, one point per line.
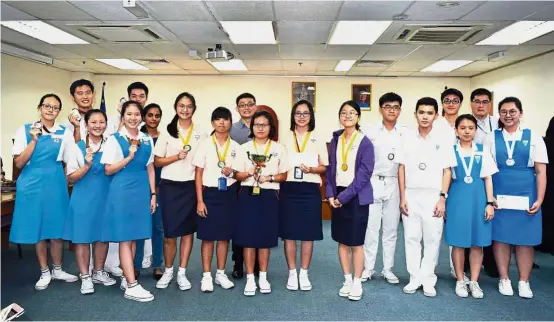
312	139
437	147
56	139
146	142
478	158
233	154
196	136
525	142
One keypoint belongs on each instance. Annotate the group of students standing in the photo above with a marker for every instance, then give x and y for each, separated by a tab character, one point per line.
133	181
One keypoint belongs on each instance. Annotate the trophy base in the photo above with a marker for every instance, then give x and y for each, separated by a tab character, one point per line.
255	191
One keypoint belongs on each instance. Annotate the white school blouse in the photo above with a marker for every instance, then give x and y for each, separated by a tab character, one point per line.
76	160
207	158
538	152
20	141
488	166
112	150
316	147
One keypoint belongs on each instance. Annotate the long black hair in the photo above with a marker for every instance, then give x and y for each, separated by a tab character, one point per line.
355	106
272	128
221	113
146	109
93	111
509	99
173	127
47	96
311	125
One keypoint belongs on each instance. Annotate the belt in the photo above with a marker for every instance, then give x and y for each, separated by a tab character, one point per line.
384	177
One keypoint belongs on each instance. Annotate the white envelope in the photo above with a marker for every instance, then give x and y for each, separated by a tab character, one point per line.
306	158
512	202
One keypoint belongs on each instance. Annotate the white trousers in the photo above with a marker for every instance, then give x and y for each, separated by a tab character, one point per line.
421	225
385	209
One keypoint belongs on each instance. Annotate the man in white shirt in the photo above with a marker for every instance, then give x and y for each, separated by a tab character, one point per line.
481	100
424	173
451	100
385	137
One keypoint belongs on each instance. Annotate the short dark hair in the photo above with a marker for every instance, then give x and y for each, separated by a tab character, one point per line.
221	112
355	106
137	85
311	125
479	92
50	95
245	95
507	100
147	108
173	127
427	101
272	128
93	111
390	97
452	91
79	83
462	117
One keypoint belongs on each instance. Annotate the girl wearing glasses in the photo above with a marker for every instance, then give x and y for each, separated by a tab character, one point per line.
174	153
349	190
42	196
521	157
216	193
300	199
91	184
128	158
262	165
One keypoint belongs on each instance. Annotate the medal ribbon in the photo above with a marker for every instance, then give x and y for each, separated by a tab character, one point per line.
88	145
467	168
345	155
306	138
219	156
189	134
266	151
510	146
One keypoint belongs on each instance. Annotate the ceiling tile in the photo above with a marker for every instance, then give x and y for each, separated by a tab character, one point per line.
192	64
204	72
303	32
506	10
158	66
306	10
397	74
428	10
263	64
197	32
459	73
302	51
105	10
130	51
362	73
242	10
329	73
178	10
90	63
482	66
430	52
51	10
69	66
422	74
307	65
11	13
326	65
526	51
52	51
258	51
89	51
544	14
389	52
410	65
475	52
372	10
14	37
547	39
169	50
368	69
338	52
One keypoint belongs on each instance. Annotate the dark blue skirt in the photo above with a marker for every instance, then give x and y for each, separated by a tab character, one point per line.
300	211
221	207
349	222
178	203
257	220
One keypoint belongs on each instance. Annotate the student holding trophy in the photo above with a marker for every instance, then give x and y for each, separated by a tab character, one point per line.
216	194
300	199
262	165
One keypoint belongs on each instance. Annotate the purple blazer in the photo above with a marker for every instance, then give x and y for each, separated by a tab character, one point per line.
361	186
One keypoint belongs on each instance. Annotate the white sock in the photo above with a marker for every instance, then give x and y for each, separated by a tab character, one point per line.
303	272
292	272
44	271
169	269
263	275
357	281
182	270
348	277
207	274
220	271
250	276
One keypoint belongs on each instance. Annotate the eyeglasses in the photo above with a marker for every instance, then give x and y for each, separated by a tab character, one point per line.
302	114
453	102
511	112
389	108
183	107
50	107
243	105
478	102
260	126
350	114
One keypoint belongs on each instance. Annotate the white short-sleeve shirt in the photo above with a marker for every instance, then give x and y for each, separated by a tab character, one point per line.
113	153
425	159
538	152
488	166
77	160
443	128
207	158
20	141
277	164
111	127
345	178
387	146
166	146
315	149
484	127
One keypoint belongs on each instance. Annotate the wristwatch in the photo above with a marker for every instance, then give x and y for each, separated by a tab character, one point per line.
272	179
445	195
490	203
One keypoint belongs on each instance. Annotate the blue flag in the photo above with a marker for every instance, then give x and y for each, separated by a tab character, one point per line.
103	100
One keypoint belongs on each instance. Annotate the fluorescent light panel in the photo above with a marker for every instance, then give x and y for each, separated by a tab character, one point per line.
25	54
358	32
43	31
443	66
344	65
233	64
250	32
122	64
519	33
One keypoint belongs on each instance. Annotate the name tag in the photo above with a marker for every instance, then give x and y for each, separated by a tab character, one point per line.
222	184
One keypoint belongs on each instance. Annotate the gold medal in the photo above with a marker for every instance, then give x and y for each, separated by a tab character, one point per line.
344	167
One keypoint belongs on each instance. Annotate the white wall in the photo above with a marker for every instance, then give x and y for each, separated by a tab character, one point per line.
531	81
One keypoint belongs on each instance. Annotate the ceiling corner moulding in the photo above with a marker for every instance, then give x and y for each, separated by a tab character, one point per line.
519	32
124	64
250	32
358	32
233	64
444	66
44	32
344	65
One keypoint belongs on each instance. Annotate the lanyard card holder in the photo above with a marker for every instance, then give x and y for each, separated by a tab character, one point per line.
222	184
298	174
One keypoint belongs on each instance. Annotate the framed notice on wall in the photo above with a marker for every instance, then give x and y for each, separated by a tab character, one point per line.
361	94
304	91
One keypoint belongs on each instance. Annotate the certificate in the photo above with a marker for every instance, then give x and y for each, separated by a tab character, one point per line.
306	158
512	202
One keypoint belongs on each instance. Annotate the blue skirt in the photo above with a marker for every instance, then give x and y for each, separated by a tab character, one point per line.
349	222
300	211
178	203
221	207
257	221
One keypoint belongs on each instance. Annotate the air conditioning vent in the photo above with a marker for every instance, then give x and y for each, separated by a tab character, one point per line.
152	61
374	63
436	34
122	33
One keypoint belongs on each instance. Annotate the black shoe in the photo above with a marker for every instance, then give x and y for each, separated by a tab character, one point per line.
492	273
157	273
137	273
536	266
238	273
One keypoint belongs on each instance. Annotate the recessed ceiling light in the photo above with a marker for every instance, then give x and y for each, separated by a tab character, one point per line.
344	65
447	4
122	64
250	32
519	33
233	64
43	31
358	32
443	66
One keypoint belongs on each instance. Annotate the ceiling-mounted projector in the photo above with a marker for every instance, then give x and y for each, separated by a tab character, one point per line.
217	54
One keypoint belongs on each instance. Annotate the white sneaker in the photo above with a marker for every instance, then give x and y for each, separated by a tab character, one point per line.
411	288
43	282
166	278
367	274
292	283
345	289
505	287
390	277
454	276
223	281
101	277
304	281
265	286
58	274
250	287
183	282
147	261
524	290
87	287
206	284
356	292
114	270
139	294
429	290
123	285
461	289
475	290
